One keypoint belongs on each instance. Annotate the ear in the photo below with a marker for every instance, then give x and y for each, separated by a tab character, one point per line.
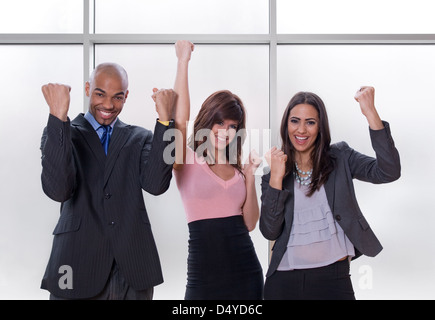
126	95
88	89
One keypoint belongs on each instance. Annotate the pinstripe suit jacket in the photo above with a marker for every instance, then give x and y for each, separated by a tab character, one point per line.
102	216
277	206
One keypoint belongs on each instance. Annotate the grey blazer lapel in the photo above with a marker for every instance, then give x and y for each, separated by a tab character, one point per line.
289	185
330	189
118	139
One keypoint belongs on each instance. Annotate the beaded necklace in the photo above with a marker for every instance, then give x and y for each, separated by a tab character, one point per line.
305	181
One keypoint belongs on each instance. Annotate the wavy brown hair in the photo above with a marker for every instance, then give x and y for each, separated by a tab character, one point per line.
320	156
221	105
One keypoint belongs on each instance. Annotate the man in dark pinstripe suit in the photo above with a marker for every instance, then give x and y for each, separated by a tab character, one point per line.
103	247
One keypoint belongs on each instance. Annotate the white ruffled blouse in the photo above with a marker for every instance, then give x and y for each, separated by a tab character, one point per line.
316	239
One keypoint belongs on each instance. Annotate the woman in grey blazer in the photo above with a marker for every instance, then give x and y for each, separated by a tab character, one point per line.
308	202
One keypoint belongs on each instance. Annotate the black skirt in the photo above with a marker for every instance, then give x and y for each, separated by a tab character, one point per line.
222	263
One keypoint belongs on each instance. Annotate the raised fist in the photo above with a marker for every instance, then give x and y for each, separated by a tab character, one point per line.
58	99
165	101
276	159
184	49
366	99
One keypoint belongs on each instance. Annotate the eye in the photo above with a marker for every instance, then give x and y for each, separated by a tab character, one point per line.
234	127
294	121
311	123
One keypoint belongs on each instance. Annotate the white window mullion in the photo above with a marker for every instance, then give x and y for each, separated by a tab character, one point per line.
88	47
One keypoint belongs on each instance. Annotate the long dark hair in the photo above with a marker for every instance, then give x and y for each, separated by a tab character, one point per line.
219	106
320	156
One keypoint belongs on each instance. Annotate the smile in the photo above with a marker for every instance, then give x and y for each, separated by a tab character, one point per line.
301	140
105	114
222	139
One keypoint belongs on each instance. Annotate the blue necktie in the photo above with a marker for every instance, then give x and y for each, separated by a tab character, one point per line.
105	137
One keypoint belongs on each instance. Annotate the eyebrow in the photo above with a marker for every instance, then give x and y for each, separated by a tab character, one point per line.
305	119
116	94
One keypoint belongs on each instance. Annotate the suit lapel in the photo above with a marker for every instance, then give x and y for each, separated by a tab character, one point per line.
90	136
118	139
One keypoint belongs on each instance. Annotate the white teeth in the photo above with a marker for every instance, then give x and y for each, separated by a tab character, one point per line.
301	138
222	138
105	113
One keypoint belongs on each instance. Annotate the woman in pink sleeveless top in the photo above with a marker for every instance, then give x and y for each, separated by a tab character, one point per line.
218	194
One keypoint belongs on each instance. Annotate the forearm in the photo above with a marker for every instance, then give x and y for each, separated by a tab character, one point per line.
156	162
272	218
374	120
276	182
385	167
182	109
387	156
58	171
251	210
181	87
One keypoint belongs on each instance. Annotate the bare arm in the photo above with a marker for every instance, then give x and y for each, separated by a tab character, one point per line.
183	51
251	210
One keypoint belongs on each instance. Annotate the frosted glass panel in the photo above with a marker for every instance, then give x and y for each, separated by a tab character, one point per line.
28	216
345	16
401	213
187	16
241	69
42	16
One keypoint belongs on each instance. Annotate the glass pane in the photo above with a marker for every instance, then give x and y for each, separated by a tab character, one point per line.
187	16
243	70
344	16
28	215
403	77
42	16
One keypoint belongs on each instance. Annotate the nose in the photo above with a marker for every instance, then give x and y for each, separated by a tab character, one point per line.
301	128
108	104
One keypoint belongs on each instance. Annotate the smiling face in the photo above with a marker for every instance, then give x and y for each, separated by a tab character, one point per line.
303	127
108	92
222	133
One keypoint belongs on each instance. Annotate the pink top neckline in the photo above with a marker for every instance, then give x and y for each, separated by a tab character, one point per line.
204	194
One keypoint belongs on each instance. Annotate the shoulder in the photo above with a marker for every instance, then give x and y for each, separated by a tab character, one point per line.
140	130
133	129
340	148
340	151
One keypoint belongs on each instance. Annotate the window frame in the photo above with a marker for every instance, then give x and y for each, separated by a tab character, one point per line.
88	39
